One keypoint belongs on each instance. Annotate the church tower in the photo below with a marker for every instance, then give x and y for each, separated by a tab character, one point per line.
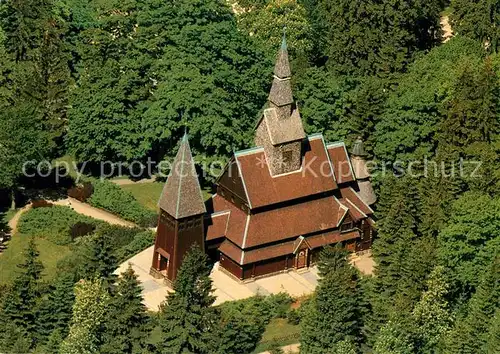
180	224
358	161
280	129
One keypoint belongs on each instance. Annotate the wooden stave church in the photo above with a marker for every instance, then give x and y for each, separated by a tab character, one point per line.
277	204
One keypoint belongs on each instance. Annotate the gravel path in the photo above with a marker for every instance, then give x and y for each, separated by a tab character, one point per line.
292	348
446	27
15	219
96	213
126	181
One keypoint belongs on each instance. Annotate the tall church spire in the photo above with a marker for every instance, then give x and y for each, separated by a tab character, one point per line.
280	130
281	91
181	196
282	67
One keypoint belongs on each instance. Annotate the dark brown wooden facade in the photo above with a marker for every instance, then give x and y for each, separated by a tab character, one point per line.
174	238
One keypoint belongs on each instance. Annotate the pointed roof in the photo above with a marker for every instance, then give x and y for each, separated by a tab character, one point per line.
281	90
282	66
358	148
181	196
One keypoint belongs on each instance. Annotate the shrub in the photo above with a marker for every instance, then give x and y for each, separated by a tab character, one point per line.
111	197
140	242
54	223
293	317
81	192
121	235
41	203
278	305
81	229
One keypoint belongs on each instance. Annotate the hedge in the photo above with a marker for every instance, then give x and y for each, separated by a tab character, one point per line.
55	223
269	307
109	196
140	242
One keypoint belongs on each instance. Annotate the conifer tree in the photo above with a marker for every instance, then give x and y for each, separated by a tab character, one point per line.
493	336
472	112
332	259
333	314
187	318
470	241
478	20
34	39
375	36
19	310
126	321
56	311
470	334
404	257
99	260
91	301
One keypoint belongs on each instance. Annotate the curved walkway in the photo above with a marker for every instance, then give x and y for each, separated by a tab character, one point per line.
96	213
15	219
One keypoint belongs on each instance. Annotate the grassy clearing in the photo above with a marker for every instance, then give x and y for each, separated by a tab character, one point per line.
447	11
7	215
148	193
278	331
50	254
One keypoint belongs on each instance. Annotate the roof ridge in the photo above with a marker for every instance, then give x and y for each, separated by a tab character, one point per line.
183	143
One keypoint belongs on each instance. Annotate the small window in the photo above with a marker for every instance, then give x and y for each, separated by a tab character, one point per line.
347	226
287	157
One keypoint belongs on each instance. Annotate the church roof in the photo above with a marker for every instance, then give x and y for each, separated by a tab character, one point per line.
282	66
284	130
243	257
181	196
341	163
315	175
281	90
271	226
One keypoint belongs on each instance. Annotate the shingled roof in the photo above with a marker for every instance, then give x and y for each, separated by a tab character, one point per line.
284	131
282	66
263	189
281	90
181	197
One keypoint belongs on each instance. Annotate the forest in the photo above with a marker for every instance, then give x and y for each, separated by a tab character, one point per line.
121	81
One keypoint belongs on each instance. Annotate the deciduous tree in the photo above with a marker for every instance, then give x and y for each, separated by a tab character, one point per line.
91	301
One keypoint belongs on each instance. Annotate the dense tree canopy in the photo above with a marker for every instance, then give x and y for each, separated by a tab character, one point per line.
478	20
122	80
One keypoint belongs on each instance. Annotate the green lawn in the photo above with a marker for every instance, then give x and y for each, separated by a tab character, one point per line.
7	215
148	193
50	254
278	331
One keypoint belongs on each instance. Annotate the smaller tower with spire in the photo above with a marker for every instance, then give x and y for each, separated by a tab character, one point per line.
180	224
280	130
358	161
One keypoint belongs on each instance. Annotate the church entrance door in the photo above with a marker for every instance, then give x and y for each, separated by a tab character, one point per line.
301	260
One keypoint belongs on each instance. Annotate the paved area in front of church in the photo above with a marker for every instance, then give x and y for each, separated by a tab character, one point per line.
226	288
